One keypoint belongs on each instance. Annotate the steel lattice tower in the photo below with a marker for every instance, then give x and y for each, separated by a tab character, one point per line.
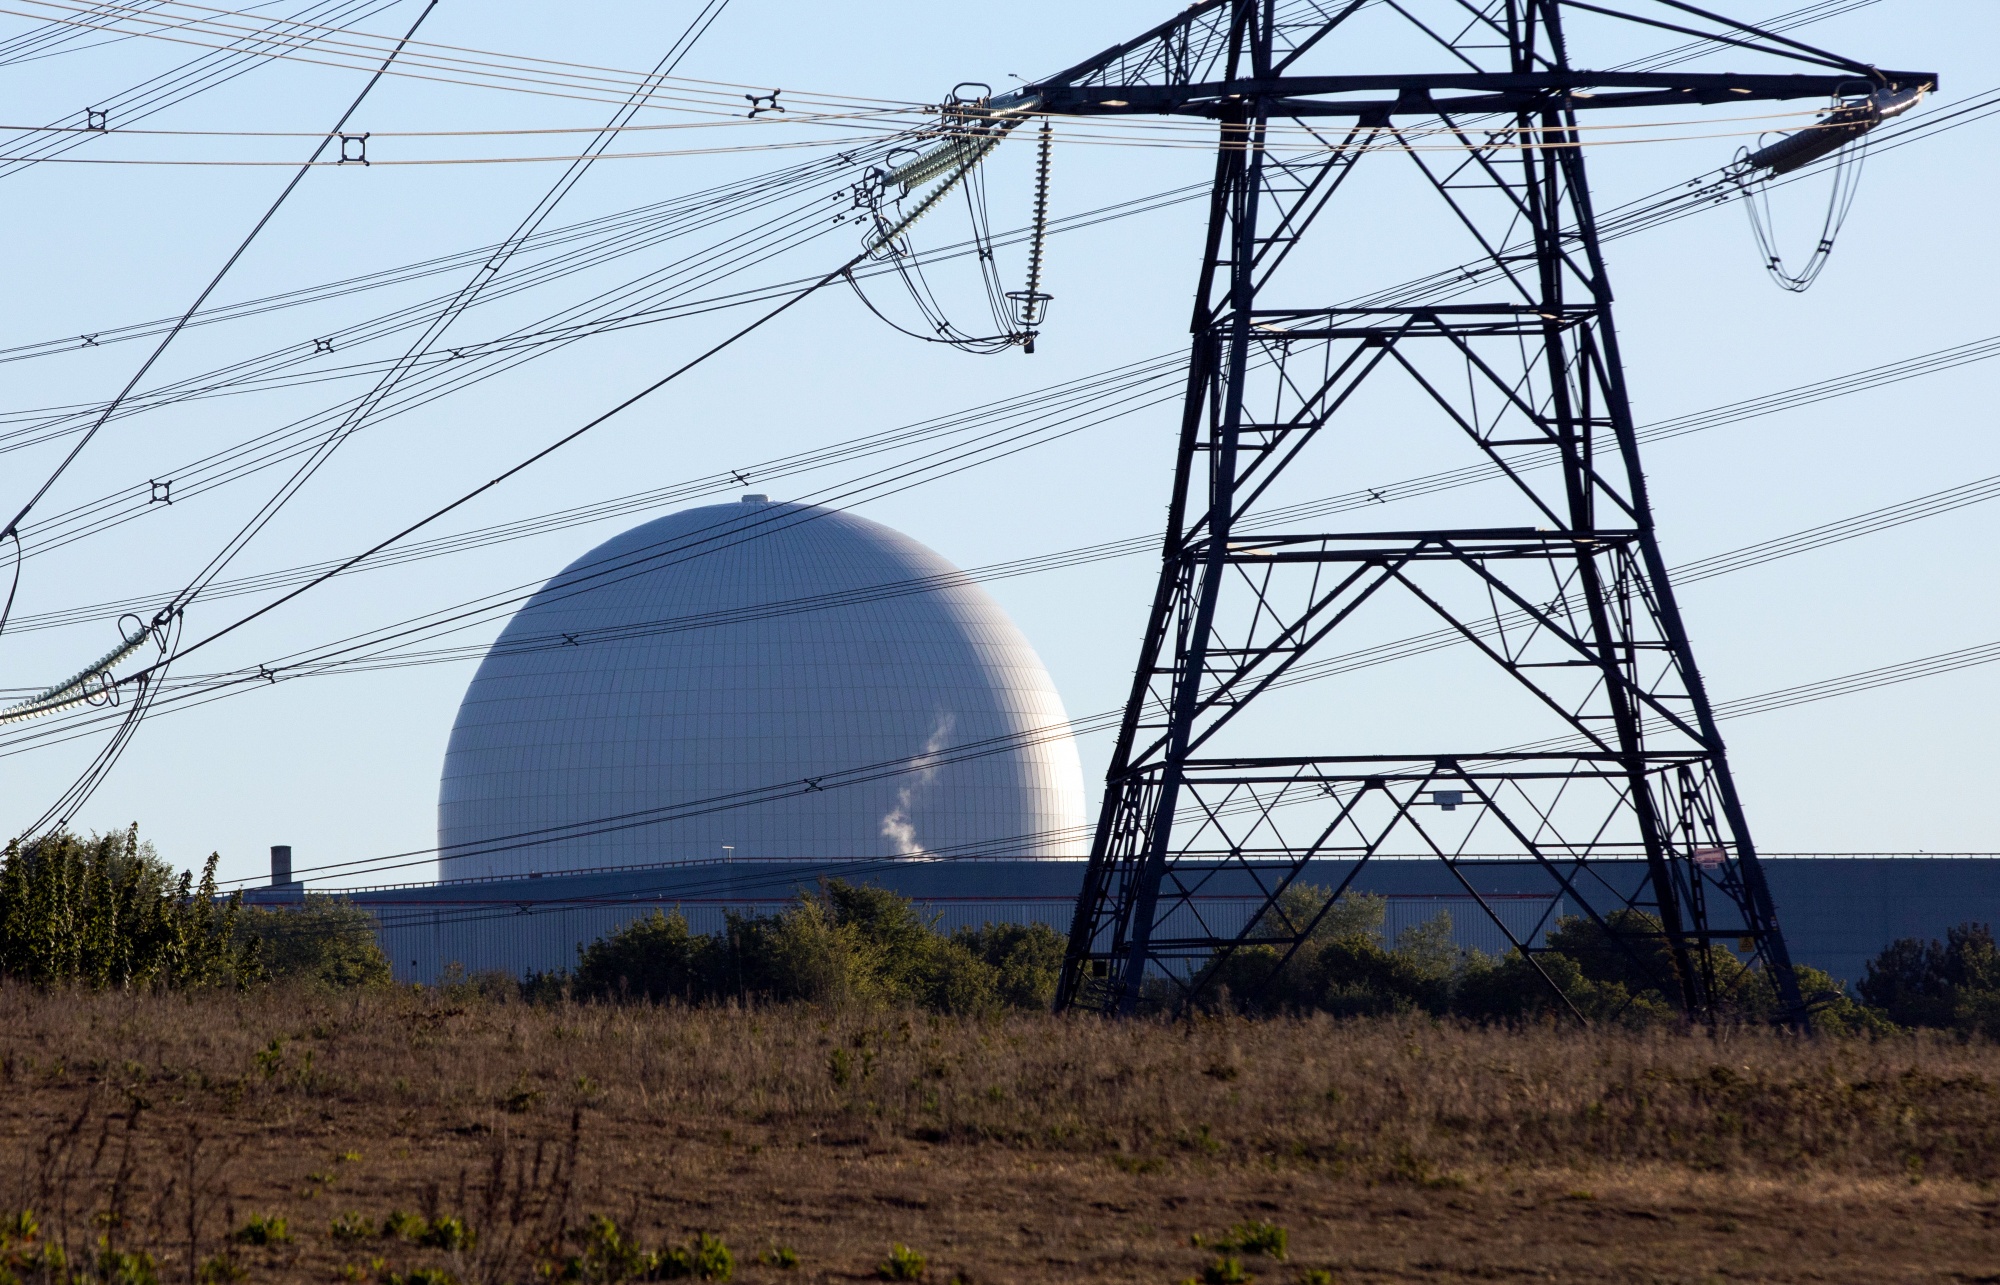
1571	724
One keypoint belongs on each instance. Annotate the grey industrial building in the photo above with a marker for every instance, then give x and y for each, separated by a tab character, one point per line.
1837	912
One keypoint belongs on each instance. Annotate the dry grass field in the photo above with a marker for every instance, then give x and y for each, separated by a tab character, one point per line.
1019	1149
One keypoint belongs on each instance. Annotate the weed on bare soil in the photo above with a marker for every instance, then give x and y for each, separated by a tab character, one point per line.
413	1138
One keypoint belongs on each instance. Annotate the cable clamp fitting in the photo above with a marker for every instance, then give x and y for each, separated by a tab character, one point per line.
353	149
96	118
163	492
762	103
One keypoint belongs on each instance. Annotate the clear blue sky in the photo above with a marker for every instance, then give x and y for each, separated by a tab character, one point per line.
346	768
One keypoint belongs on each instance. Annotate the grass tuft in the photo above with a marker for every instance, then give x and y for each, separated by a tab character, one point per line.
902	1264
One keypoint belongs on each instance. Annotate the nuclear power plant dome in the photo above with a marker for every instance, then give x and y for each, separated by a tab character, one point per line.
757	681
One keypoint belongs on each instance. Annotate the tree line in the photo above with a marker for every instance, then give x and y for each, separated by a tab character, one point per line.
108	911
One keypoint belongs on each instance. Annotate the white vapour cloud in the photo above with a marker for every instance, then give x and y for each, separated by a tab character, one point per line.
897	827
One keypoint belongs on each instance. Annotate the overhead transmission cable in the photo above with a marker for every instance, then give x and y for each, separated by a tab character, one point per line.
480	360
442	320
90	685
468	365
207	71
12	530
1633	229
1784	698
1620	220
344	47
301	665
529	461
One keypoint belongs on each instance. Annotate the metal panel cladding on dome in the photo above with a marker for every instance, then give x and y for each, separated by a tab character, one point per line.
757	681
1547	705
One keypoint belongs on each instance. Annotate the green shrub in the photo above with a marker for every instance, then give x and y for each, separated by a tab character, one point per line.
654	958
1226	1271
263	1229
351	1227
1026	959
1947	985
107	911
902	1264
1252	1238
840	944
124	1267
326	942
406	1226
704	1258
446	1233
605	1256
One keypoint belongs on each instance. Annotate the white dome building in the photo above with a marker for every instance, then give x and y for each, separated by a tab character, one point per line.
757	681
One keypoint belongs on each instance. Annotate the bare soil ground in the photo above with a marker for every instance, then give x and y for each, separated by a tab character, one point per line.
1021	1149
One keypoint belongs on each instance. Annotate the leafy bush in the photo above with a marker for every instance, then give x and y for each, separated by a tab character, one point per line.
607	1256
655	958
704	1258
839	945
902	1264
446	1233
1617	970
1250	1238
263	1229
351	1227
1026	959
107	911
326	942
1949	985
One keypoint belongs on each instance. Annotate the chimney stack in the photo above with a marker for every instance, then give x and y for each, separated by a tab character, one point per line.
281	865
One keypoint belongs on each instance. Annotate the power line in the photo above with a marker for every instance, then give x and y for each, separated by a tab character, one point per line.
12	530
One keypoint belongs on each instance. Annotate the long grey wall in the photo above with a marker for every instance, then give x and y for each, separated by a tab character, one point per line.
1837	913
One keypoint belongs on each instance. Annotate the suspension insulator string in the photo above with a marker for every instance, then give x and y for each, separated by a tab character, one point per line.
1032	300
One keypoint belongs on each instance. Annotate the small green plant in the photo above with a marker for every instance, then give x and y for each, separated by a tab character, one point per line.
1226	1270
219	1270
407	1226
446	1233
1247	1238
605	1254
902	1264
352	1227
1264	1238
18	1228
782	1257
263	1229
1316	1276
119	1267
423	1276
704	1258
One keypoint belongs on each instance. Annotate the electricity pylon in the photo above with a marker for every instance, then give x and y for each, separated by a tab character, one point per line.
1553	713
